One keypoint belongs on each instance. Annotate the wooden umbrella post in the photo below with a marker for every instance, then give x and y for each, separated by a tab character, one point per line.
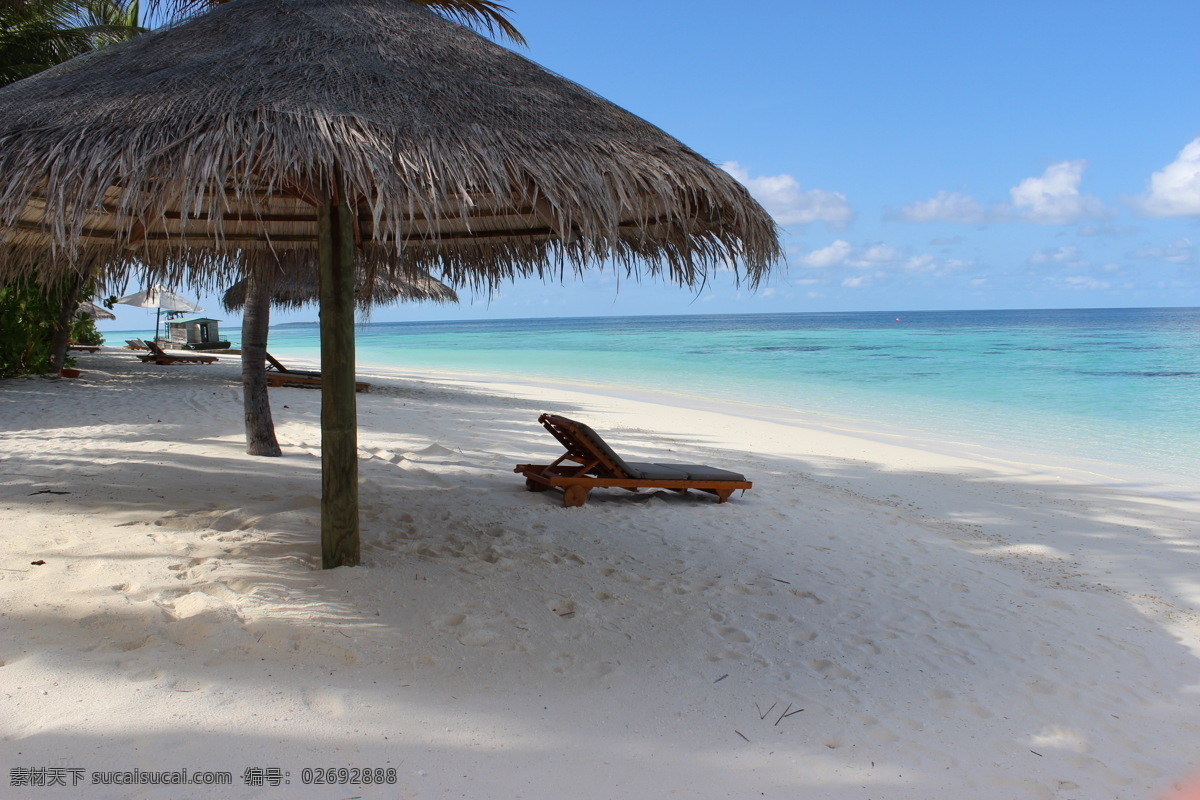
340	545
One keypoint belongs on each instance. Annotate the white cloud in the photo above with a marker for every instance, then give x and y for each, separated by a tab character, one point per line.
876	255
882	261
921	263
1180	251
1174	191
1066	256
1081	282
1054	197
832	256
783	198
944	207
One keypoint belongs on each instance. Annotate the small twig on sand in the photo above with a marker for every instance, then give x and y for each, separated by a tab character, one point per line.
723	677
47	491
784	714
781	580
763	714
739	733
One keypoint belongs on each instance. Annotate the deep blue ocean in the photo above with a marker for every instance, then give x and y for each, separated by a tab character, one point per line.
1120	385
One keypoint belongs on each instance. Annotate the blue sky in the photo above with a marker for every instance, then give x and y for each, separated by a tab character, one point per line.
919	155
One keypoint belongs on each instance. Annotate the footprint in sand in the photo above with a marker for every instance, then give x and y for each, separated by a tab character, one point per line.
501	630
325	701
618	575
829	669
559	556
481	637
733	635
802	637
121	633
186	570
562	607
277	639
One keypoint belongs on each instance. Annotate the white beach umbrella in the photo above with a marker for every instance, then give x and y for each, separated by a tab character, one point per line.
160	298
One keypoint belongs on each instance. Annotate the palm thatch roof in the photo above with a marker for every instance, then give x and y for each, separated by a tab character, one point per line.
298	287
196	152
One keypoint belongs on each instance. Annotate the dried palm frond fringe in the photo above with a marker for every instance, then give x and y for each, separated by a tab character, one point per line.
299	287
197	152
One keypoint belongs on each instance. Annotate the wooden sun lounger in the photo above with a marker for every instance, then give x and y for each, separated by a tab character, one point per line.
590	463
136	344
279	375
160	356
87	348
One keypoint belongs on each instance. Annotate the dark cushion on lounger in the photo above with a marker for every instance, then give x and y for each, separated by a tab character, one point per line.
646	471
701	472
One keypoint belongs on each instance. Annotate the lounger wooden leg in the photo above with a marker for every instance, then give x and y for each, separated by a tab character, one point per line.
535	486
575	496
723	494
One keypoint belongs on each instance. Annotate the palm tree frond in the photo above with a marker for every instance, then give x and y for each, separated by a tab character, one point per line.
482	15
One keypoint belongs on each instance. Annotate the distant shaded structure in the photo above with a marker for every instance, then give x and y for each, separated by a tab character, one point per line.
197	333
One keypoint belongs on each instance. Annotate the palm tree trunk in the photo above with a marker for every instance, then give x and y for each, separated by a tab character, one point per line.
256	319
69	299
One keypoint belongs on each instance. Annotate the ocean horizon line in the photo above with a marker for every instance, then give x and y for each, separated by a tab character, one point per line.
756	314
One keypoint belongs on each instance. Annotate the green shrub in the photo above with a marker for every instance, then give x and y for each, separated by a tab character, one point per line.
83	331
27	319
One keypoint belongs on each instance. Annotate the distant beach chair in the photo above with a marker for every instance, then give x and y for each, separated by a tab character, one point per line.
87	348
590	463
279	375
160	356
136	344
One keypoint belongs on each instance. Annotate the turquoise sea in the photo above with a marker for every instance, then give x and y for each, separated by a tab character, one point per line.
1120	385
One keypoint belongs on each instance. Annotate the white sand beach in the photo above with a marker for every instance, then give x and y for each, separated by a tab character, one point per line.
880	617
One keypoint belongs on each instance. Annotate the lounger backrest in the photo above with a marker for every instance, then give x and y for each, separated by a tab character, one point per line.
275	364
584	443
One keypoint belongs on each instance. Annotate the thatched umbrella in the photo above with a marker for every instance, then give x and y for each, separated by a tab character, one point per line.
90	309
360	132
